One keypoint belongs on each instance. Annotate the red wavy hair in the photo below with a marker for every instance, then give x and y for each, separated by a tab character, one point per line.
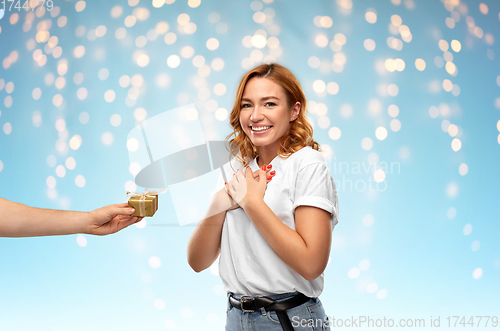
300	133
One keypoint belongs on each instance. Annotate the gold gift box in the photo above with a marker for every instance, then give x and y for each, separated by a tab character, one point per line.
148	205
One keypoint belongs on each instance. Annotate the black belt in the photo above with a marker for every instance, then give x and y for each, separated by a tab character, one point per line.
251	304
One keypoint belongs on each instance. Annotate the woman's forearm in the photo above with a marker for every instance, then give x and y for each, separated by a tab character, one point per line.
204	244
287	243
18	220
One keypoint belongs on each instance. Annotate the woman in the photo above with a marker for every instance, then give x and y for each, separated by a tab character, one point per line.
275	242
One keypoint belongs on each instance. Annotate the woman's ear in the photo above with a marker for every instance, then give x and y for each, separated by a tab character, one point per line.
295	111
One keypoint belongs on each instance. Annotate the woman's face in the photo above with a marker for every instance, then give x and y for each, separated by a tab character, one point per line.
265	116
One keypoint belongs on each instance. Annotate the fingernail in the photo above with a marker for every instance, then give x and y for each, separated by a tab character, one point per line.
131	210
234	174
225	183
270	177
264	167
272	173
269	166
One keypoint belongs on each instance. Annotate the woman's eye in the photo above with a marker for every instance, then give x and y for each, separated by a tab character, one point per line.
245	105
271	103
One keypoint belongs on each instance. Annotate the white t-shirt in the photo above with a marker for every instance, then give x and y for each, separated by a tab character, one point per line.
247	264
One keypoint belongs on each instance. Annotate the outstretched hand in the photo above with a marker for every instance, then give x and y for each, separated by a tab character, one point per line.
111	219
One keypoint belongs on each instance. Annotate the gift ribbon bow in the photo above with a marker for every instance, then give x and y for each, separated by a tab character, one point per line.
143	195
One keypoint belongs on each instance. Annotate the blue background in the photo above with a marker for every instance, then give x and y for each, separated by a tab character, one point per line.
420	254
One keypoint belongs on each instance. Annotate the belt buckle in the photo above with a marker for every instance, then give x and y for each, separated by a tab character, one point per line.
245	299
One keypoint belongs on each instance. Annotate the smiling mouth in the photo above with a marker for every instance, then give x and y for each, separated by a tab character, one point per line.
260	128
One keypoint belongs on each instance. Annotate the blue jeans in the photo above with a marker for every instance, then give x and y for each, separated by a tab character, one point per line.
309	316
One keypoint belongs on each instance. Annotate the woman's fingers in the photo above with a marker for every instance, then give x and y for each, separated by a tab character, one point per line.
263	175
241	175
249	173
269	173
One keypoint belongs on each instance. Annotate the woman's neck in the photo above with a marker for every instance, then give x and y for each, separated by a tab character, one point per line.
265	156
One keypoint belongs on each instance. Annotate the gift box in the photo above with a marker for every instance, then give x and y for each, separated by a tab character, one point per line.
145	206
146	203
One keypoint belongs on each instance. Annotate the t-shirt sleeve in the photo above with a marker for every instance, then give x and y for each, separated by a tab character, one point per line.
315	187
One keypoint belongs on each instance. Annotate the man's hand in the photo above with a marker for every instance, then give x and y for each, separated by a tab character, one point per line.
111	219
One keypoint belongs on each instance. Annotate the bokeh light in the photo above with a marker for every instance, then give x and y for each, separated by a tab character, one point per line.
381	294
51	182
477	273
109	96
37	118
368	220
420	64
70	163
381	133
371	16
81	240
173	61
107	138
60	171
154	262
84	117
75	142
451	213
353	273
366	143
369	44
80	6
364	265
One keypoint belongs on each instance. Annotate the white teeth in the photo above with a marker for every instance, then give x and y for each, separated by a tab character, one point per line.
261	128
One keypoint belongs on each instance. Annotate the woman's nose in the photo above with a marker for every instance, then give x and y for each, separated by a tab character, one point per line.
257	114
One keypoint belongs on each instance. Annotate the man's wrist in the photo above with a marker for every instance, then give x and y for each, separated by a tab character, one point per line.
85	222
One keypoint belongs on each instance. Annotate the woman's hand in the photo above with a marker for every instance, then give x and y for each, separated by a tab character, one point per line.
245	185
